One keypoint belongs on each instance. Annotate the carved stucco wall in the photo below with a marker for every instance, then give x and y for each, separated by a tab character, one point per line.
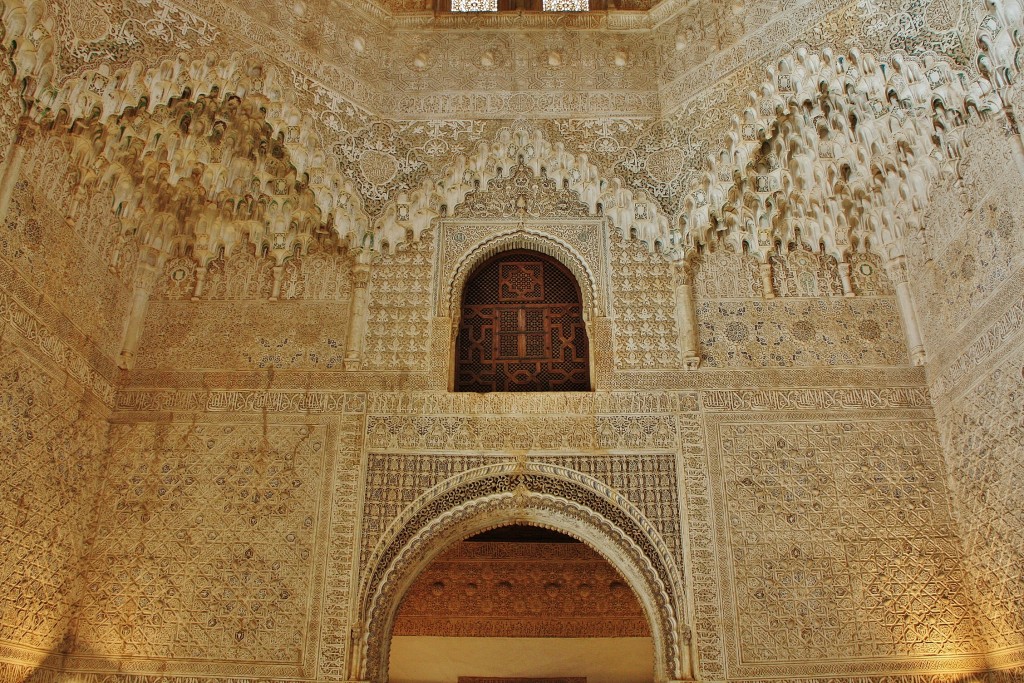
824	522
89	278
970	284
56	337
808	323
811	521
222	546
233	324
816	522
52	447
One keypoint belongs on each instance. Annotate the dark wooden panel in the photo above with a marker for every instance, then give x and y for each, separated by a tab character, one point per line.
522	328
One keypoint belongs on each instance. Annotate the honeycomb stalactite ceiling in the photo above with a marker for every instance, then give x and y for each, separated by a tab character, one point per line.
219	155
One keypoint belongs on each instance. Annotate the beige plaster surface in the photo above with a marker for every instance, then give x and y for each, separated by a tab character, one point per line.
429	659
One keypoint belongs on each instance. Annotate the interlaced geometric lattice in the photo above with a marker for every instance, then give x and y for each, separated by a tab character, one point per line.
566	5
474	5
522	328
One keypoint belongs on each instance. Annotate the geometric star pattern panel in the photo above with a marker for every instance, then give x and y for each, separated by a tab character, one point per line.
968	279
205	543
983	433
51	445
840	541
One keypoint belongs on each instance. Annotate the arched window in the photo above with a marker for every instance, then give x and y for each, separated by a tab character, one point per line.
520	5
522	327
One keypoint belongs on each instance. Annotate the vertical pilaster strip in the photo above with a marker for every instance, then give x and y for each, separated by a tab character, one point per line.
12	169
765	268
145	278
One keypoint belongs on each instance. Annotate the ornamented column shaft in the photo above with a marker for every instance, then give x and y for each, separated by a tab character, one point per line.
275	293
357	315
145	278
767	285
844	278
896	267
201	271
356	662
12	167
686	317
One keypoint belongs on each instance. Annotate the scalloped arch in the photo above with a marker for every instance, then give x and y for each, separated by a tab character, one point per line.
632	211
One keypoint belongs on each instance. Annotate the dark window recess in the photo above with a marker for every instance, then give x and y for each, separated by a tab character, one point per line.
522	327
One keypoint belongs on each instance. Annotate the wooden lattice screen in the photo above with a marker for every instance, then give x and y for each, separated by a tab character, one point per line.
522	327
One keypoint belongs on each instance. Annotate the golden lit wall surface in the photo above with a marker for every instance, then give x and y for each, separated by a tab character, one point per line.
233	243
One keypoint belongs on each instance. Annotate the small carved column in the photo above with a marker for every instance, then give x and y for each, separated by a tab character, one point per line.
275	292
896	267
844	278
359	308
12	169
145	278
767	285
686	317
356	660
201	270
203	258
280	252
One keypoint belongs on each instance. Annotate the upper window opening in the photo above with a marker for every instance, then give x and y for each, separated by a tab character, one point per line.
522	327
566	5
474	5
523	5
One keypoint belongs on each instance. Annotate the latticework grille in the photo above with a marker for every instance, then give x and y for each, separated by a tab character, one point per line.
522	328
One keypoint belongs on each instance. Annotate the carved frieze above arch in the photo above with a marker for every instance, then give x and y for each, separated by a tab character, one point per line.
530	493
521	194
496	180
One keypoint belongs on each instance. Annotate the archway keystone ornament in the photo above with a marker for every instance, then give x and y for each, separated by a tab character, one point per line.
521	492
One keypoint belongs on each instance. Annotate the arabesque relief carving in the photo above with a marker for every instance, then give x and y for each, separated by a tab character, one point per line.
233	243
521	492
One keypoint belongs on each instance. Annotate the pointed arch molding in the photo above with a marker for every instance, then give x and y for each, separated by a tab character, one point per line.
458	262
531	493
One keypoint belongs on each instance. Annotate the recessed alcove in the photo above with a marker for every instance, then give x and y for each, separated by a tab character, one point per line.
521	602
